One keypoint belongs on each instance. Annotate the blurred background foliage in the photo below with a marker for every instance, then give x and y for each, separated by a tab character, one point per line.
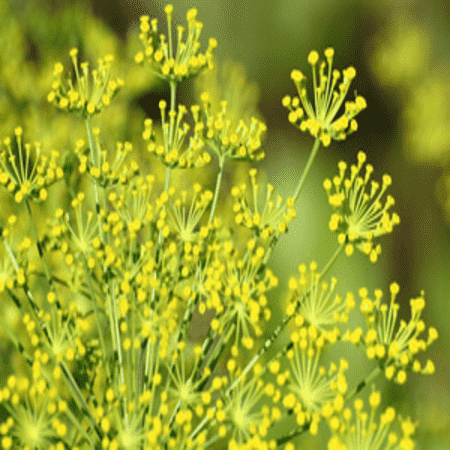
401	52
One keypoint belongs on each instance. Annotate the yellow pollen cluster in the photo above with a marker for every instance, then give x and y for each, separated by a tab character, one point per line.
395	346
316	300
90	92
28	173
370	430
228	140
330	88
268	219
360	215
159	52
179	148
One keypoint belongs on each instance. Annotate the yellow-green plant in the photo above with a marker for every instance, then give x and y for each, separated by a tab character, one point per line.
113	285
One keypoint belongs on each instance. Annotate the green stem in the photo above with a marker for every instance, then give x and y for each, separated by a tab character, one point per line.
358	388
332	260
94	157
39	247
311	158
97	315
173	96
293	434
218	185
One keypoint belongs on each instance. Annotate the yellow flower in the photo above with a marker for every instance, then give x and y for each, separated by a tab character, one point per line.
368	431
271	218
159	52
174	151
316	301
360	216
330	88
26	176
395	347
185	216
240	141
315	392
90	92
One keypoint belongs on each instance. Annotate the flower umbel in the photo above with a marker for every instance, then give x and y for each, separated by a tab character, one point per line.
241	141
174	151
93	90
396	349
360	216
159	52
315	392
330	91
362	430
315	300
267	219
23	177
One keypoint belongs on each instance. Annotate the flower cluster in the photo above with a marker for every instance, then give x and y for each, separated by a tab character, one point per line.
85	96
353	431
314	392
144	312
241	141
330	88
26	177
159	50
396	347
266	220
173	152
360	216
315	300
111	168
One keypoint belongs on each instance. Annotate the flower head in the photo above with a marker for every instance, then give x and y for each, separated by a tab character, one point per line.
159	52
93	90
174	152
315	300
330	89
23	177
86	230
185	216
225	137
236	288
315	392
269	218
246	411
363	430
111	168
396	347
360	215
34	420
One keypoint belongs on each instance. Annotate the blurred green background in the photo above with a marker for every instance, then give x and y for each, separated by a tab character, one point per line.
401	52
